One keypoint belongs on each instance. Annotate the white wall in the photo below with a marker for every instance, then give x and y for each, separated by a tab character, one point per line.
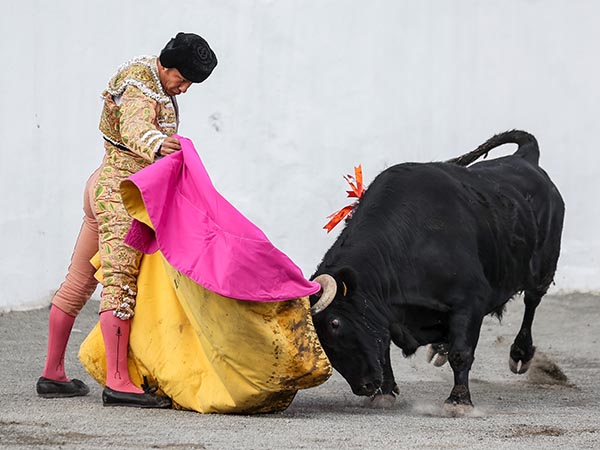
304	90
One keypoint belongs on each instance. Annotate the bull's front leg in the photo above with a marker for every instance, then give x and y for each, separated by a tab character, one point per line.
386	396
464	333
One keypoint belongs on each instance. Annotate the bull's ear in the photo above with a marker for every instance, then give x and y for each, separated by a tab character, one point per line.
347	281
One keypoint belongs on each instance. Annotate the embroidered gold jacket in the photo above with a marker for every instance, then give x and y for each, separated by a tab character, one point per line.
137	114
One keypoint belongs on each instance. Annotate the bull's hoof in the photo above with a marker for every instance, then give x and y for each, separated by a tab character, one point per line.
452	409
437	354
459	402
381	401
518	367
520	358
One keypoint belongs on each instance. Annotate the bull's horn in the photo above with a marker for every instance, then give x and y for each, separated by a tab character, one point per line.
328	290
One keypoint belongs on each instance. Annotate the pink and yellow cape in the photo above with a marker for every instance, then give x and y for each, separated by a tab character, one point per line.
222	322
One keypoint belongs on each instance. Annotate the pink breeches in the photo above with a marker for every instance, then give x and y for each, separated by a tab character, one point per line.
105	225
79	284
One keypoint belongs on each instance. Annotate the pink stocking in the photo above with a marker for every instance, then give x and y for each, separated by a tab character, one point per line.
59	330
115	333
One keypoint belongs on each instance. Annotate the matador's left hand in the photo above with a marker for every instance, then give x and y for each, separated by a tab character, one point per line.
169	145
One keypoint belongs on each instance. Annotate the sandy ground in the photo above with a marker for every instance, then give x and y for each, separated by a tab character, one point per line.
512	411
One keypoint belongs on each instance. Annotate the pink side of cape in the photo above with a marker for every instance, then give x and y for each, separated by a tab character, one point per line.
204	237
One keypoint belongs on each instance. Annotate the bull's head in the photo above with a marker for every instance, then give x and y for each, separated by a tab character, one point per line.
353	333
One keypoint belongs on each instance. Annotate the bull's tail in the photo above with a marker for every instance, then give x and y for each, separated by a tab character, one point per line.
528	147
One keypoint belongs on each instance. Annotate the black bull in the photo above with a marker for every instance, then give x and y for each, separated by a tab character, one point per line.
431	249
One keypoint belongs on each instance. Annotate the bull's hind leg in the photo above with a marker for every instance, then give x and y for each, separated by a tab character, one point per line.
438	351
522	350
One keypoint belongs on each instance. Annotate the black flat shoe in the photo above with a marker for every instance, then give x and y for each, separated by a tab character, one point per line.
110	397
48	388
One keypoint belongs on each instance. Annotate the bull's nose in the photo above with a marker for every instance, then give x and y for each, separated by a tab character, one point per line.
369	388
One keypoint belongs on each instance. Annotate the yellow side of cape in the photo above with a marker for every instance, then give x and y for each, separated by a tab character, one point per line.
210	353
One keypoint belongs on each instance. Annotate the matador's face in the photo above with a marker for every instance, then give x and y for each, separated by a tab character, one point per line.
172	81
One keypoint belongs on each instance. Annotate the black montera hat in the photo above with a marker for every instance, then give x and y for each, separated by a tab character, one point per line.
191	55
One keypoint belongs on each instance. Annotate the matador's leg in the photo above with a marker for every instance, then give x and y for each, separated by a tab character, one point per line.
120	267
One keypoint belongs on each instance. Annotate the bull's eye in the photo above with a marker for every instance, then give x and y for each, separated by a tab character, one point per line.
335	323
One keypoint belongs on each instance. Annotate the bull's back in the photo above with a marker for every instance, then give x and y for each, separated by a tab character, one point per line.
481	217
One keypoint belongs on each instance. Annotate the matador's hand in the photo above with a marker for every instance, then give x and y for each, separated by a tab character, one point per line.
169	145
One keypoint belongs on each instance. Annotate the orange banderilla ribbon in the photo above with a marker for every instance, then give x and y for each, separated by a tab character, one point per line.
356	191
